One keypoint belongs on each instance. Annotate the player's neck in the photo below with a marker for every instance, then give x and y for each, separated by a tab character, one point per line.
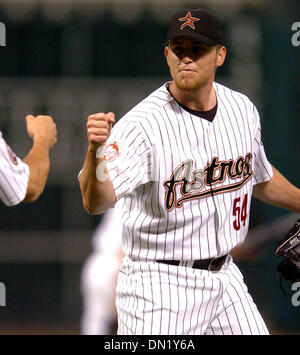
203	99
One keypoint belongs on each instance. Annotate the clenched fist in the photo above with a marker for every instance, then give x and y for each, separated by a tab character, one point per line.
98	127
42	128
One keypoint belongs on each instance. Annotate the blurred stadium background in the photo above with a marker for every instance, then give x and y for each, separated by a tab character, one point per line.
71	58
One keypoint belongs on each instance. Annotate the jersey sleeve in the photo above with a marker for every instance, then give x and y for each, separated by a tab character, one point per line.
262	168
14	175
128	157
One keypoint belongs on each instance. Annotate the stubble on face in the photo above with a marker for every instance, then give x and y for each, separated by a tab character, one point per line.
188	81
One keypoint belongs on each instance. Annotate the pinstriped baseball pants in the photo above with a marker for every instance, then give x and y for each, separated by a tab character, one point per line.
160	299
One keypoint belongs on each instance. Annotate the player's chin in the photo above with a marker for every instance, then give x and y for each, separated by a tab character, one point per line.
188	84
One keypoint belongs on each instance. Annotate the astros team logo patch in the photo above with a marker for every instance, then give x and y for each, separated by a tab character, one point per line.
12	156
188	21
111	152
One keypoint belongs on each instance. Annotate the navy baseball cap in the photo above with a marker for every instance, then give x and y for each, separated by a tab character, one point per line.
196	23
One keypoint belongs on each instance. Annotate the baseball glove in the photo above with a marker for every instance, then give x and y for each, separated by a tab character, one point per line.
289	249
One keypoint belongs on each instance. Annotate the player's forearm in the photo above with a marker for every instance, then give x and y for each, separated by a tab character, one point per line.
96	187
38	161
279	192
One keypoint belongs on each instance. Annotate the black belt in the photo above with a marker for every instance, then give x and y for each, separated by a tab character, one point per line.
214	264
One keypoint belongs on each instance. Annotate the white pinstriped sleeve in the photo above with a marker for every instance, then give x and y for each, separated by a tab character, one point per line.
132	167
262	169
14	175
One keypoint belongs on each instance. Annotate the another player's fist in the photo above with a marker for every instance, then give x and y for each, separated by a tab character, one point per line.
98	127
42	128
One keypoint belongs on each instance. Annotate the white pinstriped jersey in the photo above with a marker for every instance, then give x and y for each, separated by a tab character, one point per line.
14	175
186	182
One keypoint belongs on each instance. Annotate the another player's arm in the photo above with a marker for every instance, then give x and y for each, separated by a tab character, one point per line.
97	196
42	131
278	192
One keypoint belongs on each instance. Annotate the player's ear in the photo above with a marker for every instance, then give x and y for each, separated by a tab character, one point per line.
166	51
221	55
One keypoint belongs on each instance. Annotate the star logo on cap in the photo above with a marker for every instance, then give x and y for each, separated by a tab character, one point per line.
188	21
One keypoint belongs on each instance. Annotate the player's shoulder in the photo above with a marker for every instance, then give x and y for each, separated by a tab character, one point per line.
149	106
233	95
139	120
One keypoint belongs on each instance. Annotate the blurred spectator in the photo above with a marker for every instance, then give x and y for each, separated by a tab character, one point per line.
99	276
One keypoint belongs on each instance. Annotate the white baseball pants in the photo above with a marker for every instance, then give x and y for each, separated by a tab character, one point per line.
160	299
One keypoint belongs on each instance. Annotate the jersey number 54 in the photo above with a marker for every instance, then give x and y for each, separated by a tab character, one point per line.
240	212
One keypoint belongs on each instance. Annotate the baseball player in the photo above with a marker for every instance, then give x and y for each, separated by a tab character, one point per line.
99	276
24	180
184	162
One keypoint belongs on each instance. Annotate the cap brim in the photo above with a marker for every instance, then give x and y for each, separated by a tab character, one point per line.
199	37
